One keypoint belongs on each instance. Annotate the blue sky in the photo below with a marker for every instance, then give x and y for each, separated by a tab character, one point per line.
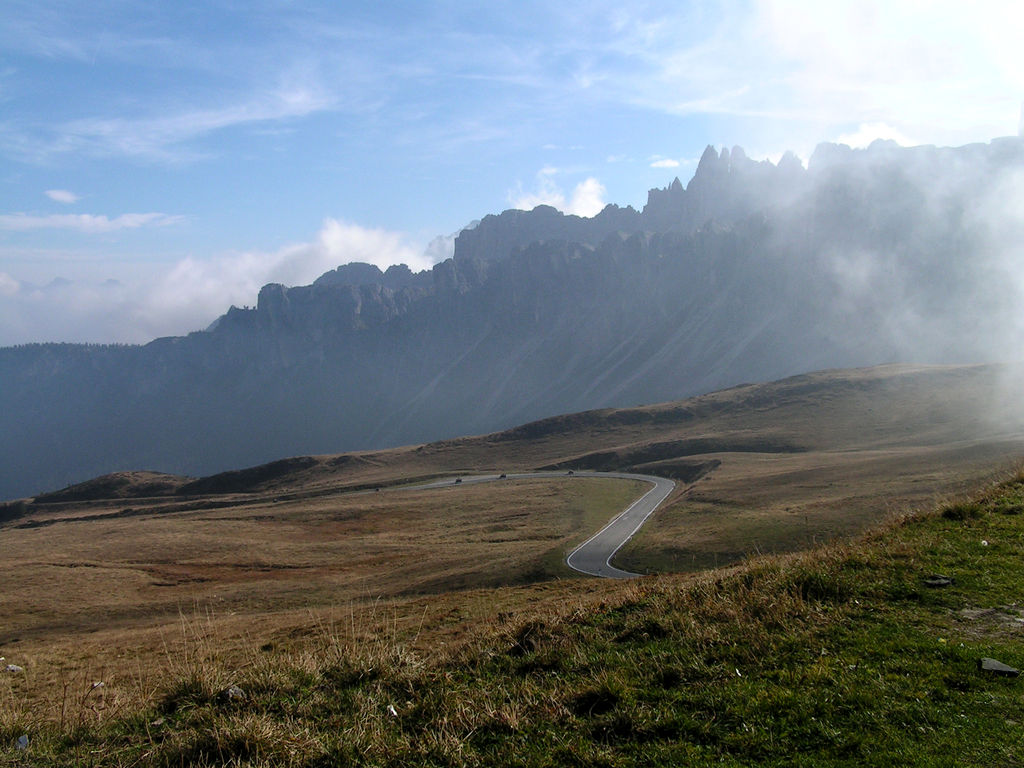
162	160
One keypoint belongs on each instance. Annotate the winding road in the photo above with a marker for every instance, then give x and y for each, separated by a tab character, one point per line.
593	556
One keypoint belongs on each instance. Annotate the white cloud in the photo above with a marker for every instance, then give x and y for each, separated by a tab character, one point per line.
546	193
62	196
587	197
85	222
344	243
8	285
189	294
442	247
902	64
942	72
196	291
869	132
666	162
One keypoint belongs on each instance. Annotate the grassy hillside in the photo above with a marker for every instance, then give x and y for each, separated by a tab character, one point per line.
896	408
761	468
840	656
329	590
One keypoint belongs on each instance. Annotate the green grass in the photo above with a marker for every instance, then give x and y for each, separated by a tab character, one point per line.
841	656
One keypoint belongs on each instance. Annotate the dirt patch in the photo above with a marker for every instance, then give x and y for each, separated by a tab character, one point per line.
1006	619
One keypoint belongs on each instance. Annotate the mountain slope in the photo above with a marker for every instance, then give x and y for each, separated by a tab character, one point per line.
751	272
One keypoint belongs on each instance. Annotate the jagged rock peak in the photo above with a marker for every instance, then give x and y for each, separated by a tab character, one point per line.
663	205
357	273
790	163
716	164
710	162
399	276
827	154
271	297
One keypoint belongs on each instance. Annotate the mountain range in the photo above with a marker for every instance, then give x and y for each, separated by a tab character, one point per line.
751	272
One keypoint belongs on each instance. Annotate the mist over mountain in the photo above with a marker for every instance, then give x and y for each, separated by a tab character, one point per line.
751	272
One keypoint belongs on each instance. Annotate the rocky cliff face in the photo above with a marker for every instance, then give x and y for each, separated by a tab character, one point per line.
752	271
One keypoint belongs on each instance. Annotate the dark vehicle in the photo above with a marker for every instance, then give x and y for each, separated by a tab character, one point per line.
502	476
570	472
458	480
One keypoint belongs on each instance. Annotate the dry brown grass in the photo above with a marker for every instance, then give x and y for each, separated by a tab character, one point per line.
769	504
126	591
125	599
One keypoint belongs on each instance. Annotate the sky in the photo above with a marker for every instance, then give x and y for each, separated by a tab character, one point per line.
162	161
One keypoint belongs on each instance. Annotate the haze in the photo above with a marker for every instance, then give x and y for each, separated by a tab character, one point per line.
163	161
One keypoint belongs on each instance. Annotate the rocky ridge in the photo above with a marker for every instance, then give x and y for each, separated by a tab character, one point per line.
752	271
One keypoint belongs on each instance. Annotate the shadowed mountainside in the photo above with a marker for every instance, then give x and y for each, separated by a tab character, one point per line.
895	408
751	272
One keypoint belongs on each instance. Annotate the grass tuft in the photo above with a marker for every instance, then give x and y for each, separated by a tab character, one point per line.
966	510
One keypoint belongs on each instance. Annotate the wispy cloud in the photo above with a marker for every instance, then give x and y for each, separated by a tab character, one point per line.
62	196
816	70
665	162
834	65
164	137
85	222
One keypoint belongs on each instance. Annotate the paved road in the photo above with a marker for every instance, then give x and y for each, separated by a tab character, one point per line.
593	557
